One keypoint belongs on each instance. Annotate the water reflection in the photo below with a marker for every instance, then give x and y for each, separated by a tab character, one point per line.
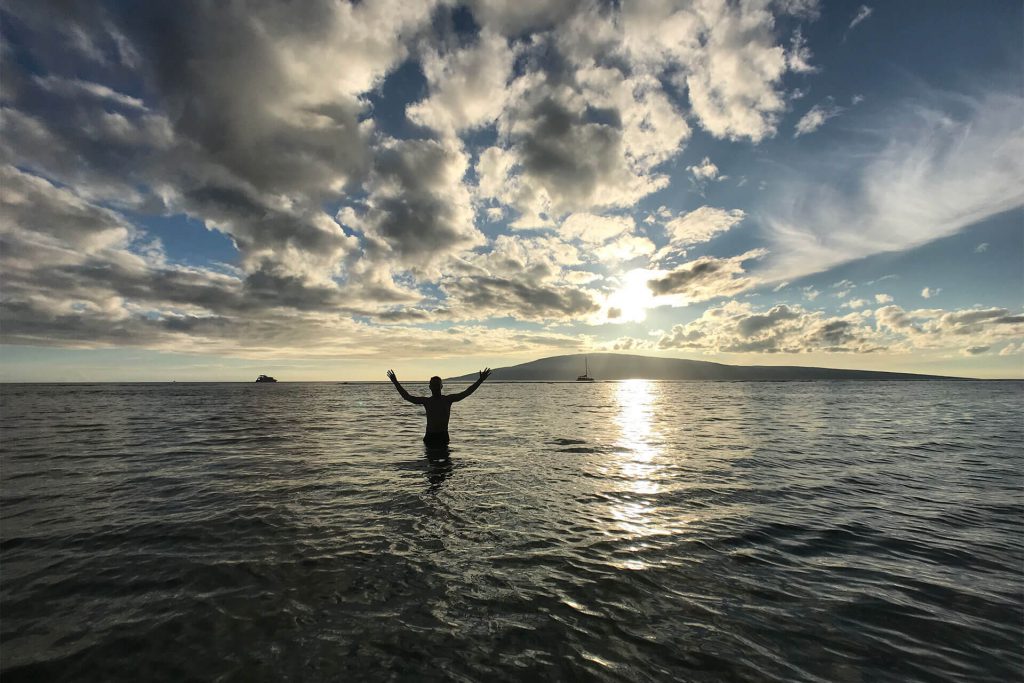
439	465
640	466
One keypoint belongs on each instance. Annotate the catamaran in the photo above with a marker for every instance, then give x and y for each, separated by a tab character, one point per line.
585	377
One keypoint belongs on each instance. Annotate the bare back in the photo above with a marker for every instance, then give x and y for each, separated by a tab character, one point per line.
439	410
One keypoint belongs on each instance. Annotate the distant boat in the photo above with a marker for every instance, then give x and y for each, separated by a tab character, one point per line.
585	377
265	378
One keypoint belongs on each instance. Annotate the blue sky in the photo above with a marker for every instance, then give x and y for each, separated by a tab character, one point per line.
207	191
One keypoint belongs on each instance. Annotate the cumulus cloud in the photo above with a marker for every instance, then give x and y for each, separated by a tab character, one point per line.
595	229
608	239
521	277
937	328
624	248
707	277
252	117
489	297
701	225
37	210
467	87
705	170
929	292
726	55
579	133
736	327
107	284
418	209
569	148
631	344
513	17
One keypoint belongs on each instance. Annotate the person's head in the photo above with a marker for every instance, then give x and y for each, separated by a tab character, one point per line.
435	385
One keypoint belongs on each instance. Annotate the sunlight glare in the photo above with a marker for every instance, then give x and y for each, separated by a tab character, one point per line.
633	298
640	455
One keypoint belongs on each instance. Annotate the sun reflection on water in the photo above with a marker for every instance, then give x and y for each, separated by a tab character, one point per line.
639	465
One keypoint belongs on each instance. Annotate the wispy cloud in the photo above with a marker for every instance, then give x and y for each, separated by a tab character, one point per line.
815	118
862	13
936	175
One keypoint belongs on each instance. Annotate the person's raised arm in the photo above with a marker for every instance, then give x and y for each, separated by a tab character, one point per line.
401	390
484	374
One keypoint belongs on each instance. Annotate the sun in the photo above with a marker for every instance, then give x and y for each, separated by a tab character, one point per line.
632	299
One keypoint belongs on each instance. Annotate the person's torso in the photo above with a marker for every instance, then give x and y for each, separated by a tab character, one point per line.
439	410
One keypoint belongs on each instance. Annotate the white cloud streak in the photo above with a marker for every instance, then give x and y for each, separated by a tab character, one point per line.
936	175
815	118
863	12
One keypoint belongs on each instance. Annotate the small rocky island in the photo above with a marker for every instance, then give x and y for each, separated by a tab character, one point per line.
265	378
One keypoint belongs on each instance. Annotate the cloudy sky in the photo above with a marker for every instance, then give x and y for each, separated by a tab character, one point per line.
323	190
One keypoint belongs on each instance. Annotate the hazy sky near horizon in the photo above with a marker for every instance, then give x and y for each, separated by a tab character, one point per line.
323	190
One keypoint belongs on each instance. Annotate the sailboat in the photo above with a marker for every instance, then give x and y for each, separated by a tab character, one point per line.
585	377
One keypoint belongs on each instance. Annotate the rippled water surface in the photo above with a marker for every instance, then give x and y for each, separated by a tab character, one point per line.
816	531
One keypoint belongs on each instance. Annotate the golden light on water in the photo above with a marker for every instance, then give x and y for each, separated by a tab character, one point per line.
635	399
639	458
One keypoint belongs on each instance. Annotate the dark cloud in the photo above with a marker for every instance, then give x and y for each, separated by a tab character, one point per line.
418	209
482	296
707	277
833	334
246	116
33	205
756	324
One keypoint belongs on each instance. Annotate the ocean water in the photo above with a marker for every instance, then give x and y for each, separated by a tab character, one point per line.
621	531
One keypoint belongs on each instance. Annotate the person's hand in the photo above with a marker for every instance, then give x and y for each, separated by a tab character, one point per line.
484	374
391	376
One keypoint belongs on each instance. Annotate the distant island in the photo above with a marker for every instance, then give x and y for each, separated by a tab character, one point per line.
612	366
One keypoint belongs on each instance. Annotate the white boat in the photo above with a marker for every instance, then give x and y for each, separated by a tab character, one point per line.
585	377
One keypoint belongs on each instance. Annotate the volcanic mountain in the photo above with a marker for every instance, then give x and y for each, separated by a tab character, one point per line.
606	366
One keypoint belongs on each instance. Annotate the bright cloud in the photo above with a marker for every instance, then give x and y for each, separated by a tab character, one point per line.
815	118
705	170
935	175
736	327
698	226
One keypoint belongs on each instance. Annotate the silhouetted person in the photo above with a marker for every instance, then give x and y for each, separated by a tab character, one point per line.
437	405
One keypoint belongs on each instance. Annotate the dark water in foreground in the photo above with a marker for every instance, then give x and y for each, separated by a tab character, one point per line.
818	531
